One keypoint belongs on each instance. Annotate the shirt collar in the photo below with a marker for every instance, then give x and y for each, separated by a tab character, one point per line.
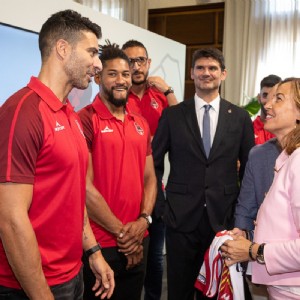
215	104
281	160
47	95
104	112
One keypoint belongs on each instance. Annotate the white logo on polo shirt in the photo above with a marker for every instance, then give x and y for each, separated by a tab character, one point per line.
154	103
107	129
59	127
138	128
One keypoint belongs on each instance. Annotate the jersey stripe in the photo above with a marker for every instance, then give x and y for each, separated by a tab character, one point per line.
11	134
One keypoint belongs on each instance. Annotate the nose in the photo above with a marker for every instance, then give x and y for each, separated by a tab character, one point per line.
269	103
119	79
97	64
206	71
135	66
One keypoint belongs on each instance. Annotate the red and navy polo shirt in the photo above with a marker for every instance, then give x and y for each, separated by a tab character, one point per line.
119	150
150	106
42	144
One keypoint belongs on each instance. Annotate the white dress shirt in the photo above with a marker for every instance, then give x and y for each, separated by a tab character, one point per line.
213	115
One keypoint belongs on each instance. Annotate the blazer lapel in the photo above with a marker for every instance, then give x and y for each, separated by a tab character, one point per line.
223	121
192	122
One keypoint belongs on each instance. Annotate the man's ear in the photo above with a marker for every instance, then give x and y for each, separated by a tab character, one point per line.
62	48
192	73
97	79
224	74
258	98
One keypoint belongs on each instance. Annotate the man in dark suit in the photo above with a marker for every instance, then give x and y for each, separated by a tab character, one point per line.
205	137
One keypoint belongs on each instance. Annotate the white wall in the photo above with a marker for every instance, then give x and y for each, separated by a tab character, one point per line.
175	3
168	57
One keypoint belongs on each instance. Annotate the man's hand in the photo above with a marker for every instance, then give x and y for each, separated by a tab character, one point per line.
105	282
135	258
158	83
235	232
132	236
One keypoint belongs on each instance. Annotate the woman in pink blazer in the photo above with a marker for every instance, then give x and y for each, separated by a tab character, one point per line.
275	252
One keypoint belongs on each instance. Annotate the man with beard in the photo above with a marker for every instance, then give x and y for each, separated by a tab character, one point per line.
121	182
43	162
149	96
205	136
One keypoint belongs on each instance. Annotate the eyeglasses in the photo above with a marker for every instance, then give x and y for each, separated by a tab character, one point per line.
141	61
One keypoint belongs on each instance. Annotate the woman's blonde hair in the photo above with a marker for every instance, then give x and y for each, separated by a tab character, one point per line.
292	140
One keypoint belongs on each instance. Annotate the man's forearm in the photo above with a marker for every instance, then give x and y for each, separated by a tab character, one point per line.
99	211
21	248
150	187
88	238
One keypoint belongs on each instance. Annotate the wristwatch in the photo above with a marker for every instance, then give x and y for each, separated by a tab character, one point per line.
260	254
168	91
92	250
148	218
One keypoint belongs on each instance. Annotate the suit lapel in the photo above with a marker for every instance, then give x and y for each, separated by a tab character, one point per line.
192	122
223	121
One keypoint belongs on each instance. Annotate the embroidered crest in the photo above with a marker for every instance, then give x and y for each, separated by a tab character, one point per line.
154	103
138	128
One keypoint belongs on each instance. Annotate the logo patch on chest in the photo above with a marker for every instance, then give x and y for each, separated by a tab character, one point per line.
138	128
58	127
107	129
154	103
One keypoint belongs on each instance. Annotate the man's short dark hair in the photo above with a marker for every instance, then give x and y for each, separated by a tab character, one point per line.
110	52
134	43
270	81
68	25
214	53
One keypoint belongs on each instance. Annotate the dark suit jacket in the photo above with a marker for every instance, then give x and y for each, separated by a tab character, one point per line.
195	180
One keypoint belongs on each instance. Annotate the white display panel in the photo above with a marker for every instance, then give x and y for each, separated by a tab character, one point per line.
20	57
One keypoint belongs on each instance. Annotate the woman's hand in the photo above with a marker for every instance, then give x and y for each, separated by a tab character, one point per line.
237	250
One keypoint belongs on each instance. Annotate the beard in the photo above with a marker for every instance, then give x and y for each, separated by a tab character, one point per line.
141	81
110	97
74	71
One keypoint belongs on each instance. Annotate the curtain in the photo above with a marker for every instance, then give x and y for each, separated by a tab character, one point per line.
131	11
261	37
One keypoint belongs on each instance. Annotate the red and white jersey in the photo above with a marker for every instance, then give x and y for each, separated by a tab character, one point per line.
215	277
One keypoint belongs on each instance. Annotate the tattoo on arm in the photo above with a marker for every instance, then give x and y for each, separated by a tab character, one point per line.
85	221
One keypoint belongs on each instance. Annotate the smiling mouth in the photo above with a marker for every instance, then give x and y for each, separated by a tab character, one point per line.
120	89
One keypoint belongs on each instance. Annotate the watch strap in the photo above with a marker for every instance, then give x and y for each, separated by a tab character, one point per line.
260	254
145	216
168	91
92	250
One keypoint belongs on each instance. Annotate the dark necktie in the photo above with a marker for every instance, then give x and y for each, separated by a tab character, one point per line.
206	130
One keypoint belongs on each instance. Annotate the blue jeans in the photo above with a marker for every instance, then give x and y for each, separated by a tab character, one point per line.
71	290
154	272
